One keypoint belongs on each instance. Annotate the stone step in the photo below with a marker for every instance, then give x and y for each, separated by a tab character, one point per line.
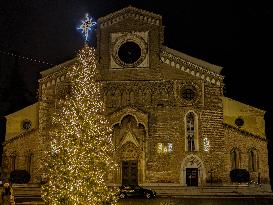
172	191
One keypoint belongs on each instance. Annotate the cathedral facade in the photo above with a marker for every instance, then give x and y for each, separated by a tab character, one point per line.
171	123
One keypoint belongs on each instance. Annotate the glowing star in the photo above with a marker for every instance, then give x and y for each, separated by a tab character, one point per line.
86	26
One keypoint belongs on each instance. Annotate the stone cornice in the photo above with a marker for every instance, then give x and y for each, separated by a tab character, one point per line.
130	12
193	66
56	69
245	132
56	74
22	135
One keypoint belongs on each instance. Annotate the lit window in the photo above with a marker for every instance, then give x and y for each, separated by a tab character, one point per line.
188	94
163	148
191	134
206	145
159	147
170	147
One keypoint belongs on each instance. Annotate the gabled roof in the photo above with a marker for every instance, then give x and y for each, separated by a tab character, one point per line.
57	68
15	120
214	68
253	118
196	67
130	12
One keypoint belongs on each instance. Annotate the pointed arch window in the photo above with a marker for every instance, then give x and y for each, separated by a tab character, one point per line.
252	160
13	162
131	98
191	138
235	158
29	159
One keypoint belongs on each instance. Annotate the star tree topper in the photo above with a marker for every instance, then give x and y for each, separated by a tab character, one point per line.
86	26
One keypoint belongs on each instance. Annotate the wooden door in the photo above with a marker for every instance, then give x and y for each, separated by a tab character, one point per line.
130	172
192	176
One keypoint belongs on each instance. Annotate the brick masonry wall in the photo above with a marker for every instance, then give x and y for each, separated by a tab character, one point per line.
166	124
234	138
129	25
21	147
155	91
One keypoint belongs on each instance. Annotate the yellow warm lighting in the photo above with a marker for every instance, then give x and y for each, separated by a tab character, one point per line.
81	149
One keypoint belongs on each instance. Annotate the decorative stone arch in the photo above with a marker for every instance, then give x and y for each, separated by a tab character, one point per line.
110	94
13	161
147	96
126	140
117	98
124	98
235	158
141	117
196	131
129	151
131	97
253	160
29	161
193	161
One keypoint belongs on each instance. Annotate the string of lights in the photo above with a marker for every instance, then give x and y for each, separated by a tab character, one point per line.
25	58
80	157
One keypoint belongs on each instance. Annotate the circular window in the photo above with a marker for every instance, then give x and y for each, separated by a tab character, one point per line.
129	52
26	124
188	94
239	122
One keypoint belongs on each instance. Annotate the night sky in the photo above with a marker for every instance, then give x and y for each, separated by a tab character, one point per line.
236	37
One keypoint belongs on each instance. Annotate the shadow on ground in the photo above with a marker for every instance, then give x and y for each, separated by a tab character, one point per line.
175	201
198	201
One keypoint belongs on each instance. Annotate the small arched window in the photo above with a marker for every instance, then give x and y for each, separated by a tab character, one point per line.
235	158
252	160
13	161
29	159
124	98
131	98
191	138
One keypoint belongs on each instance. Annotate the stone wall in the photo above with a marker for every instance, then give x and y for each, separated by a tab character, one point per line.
21	147
152	96
236	138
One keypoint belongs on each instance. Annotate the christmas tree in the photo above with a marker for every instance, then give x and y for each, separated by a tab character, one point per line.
81	149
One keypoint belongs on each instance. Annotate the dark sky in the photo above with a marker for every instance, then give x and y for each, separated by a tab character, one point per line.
237	37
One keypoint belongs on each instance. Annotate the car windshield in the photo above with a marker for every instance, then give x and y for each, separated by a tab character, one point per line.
137	187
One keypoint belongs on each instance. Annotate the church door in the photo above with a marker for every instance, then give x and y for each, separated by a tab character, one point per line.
192	176
129	172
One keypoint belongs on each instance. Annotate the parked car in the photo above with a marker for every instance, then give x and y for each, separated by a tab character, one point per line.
135	191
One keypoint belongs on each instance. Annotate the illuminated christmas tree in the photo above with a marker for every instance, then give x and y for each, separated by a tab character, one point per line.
81	151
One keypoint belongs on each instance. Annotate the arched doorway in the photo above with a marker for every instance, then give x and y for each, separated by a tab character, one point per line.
130	159
129	139
192	171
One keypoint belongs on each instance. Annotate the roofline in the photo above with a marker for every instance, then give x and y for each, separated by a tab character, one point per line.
214	68
257	109
111	15
6	116
56	67
262	137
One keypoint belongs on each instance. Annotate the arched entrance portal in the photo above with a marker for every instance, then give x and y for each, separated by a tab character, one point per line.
192	171
129	138
130	158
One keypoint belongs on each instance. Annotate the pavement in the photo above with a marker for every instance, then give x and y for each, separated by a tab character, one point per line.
178	201
175	195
